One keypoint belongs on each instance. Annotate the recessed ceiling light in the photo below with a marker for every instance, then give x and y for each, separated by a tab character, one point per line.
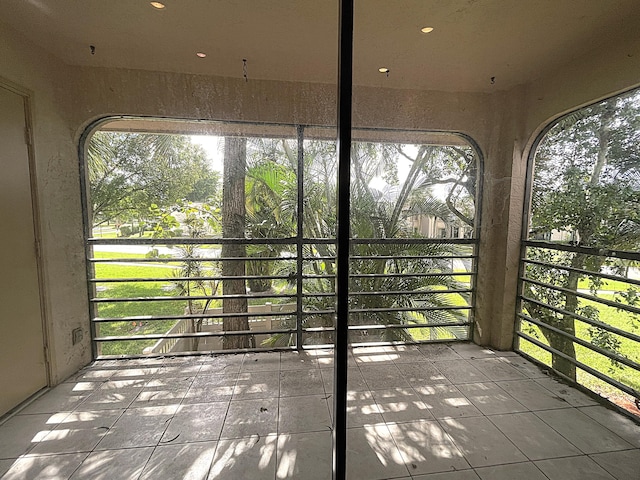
201	54
383	70
426	29
158	5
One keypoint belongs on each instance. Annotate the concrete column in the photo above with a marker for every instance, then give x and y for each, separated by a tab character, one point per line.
501	224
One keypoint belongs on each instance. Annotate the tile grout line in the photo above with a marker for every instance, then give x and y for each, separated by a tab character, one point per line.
167	422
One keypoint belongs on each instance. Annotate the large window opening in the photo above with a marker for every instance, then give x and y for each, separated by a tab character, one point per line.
579	306
226	241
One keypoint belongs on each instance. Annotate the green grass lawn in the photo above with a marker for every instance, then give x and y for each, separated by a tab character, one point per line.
147	308
614	285
629	348
127	309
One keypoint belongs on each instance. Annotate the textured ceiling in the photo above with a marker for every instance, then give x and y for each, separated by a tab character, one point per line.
296	40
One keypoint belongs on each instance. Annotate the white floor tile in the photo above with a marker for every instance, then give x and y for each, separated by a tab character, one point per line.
304	455
460	475
515	471
301	382
261	362
490	399
439	351
572	396
423	373
186	462
251	457
23	432
445	401
534	437
533	395
380	377
78	432
622	465
138	427
304	414
251	417
59	467
196	423
584	432
460	371
481	442
497	369
573	468
257	385
373	454
426	448
267	415
401	405
617	423
124	464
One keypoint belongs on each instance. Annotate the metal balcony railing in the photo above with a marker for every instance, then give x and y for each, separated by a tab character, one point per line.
157	300
582	322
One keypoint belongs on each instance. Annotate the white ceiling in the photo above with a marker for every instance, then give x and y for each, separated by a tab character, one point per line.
473	40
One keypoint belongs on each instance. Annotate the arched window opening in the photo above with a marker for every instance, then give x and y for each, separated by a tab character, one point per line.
579	304
217	237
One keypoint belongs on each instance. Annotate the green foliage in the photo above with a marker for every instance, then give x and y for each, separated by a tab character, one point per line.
129	172
382	207
587	189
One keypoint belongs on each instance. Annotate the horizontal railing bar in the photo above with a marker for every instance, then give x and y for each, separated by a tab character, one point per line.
319	312
399	292
387	327
580	341
318	329
187	298
604	301
409	309
415	292
200	353
411	257
280	258
280	240
413	241
396	257
319	241
162	336
388	275
585	272
404	275
417	325
153	318
191	241
383	310
582	366
179	260
141	318
186	279
595	323
599	252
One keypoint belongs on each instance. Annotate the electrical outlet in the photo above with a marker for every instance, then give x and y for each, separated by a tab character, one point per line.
76	335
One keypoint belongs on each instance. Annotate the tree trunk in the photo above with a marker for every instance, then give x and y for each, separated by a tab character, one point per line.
233	226
579	261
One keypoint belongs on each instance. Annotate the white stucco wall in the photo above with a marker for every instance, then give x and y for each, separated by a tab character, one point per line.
67	99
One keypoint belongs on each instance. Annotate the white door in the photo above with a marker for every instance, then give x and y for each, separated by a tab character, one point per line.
22	360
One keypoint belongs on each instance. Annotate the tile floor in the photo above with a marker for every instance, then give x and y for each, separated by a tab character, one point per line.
434	412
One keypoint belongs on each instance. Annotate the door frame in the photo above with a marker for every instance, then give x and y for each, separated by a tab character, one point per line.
27	98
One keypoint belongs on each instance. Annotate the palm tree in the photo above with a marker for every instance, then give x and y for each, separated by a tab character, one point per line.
381	287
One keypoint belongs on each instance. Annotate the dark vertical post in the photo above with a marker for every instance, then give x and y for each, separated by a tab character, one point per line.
345	70
300	237
87	226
